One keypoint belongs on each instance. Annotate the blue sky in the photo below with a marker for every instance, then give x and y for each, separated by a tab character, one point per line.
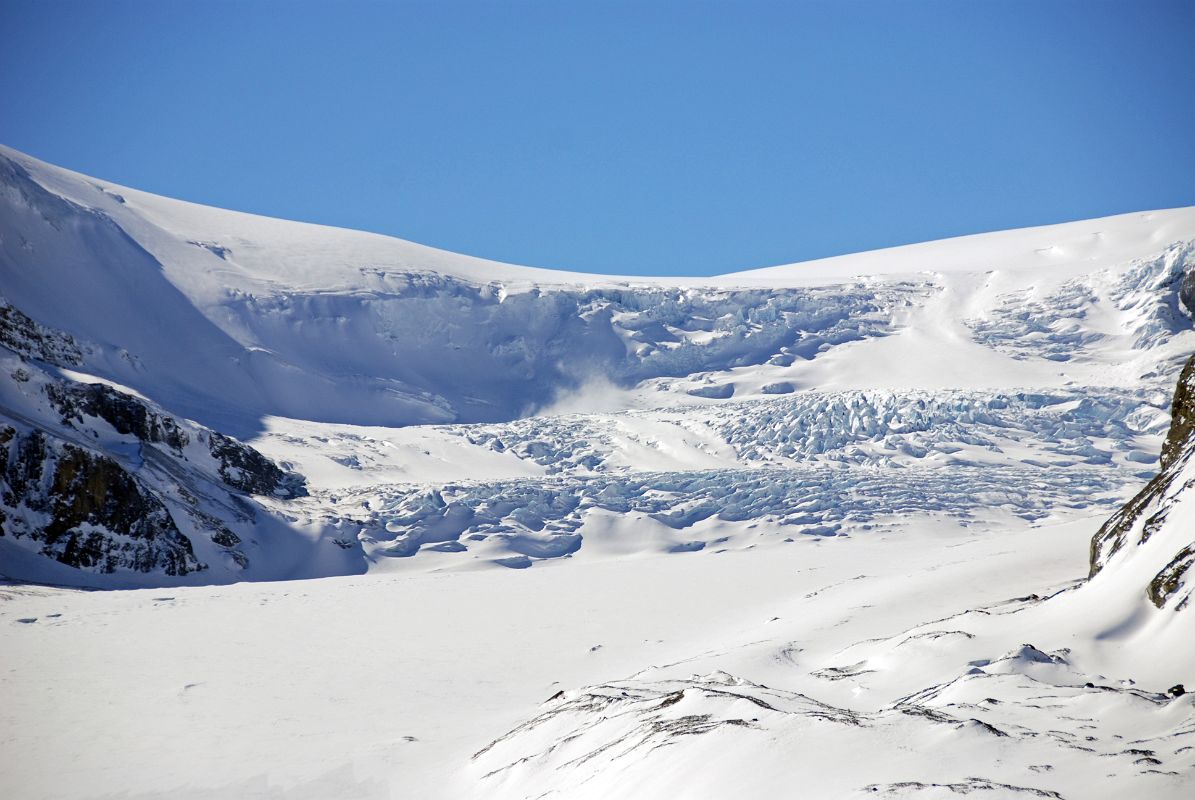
628	137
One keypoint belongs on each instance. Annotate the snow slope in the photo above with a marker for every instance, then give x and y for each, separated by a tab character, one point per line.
996	713
227	317
624	537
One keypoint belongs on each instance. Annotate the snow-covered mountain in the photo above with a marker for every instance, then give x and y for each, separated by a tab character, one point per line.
735	528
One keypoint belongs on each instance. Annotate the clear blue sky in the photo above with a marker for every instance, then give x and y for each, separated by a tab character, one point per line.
629	137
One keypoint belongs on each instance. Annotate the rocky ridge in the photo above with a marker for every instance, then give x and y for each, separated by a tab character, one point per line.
1150	526
102	481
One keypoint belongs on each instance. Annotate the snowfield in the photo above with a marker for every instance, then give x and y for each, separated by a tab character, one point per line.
293	511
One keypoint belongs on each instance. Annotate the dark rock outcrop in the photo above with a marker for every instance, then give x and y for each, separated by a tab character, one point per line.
243	468
1182	416
1170	579
1186	291
153	498
1147	513
125	413
84	509
240	467
27	338
1114	533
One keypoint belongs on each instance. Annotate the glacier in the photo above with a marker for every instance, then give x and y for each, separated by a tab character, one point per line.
362	518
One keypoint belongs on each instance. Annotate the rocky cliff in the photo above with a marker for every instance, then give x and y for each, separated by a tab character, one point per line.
84	510
1153	530
106	482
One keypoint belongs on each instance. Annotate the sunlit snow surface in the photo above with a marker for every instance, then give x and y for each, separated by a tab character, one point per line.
788	532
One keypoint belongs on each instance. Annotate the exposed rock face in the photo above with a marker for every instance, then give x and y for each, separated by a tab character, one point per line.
240	467
107	482
22	335
125	413
1171	578
243	468
1147	517
1182	416
1186	291
85	510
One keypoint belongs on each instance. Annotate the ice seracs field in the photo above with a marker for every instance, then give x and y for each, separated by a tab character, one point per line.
295	511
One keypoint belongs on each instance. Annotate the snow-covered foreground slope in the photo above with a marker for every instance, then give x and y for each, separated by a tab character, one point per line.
218	691
1075	692
819	529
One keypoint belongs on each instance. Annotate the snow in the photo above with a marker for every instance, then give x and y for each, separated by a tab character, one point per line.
822	525
300	679
307	322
